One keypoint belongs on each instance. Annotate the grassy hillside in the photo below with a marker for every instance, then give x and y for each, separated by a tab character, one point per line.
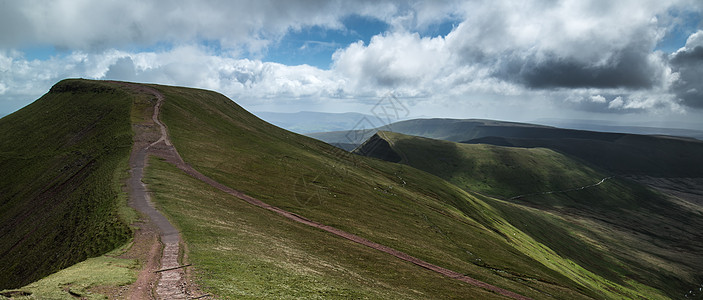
616	152
62	159
391	204
624	154
579	224
59	205
497	171
243	252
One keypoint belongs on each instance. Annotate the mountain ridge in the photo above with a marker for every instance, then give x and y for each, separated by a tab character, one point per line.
617	152
564	192
389	204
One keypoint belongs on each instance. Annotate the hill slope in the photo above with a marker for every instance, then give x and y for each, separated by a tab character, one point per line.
592	216
390	204
616	152
62	159
242	251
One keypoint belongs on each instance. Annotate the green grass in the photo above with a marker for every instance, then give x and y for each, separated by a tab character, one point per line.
62	158
240	251
85	279
619	230
619	153
493	170
244	252
391	204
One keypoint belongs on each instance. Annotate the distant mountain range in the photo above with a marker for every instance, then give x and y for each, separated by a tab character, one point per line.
605	127
311	123
621	153
306	121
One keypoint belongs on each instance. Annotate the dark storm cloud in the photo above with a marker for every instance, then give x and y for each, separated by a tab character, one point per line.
689	64
628	68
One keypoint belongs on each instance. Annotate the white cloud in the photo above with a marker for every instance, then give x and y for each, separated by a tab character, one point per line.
400	61
694	40
565	53
188	65
598	99
616	103
247	25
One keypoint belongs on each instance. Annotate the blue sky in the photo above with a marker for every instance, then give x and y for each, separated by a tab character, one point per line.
316	45
632	61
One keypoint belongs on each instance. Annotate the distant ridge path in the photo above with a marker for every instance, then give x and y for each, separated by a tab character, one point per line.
165	149
564	191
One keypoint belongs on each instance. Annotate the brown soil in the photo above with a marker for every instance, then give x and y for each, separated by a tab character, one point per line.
155	231
147	250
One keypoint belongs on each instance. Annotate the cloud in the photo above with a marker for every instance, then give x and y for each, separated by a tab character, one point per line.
598	99
616	103
595	56
626	68
564	44
99	25
393	61
687	62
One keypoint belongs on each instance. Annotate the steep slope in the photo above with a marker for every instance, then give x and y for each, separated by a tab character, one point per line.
492	170
620	153
580	209
390	204
62	158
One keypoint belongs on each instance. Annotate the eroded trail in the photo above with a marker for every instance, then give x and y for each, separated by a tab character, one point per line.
165	149
169	284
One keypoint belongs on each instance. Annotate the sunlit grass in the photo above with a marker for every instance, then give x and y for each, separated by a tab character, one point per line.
391	204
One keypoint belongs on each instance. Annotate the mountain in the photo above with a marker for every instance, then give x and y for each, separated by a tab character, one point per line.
604	126
446	129
62	160
267	213
389	204
580	211
306	121
616	152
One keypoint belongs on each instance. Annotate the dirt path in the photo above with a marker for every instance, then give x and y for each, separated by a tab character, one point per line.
563	191
164	148
169	284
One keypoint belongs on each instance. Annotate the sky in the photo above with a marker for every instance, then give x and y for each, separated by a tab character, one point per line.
628	62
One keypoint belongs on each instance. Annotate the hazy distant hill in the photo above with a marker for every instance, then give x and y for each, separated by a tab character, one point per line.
617	152
306	121
446	129
661	156
605	127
